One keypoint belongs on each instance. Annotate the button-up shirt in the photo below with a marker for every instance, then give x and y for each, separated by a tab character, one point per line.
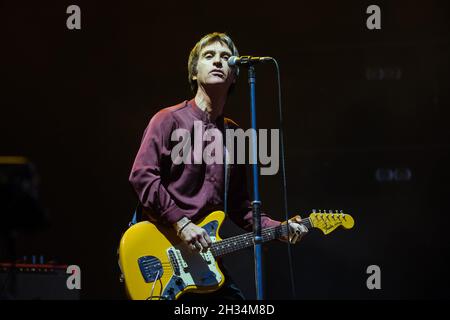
171	190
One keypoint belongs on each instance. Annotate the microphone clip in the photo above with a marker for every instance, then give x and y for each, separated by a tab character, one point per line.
248	60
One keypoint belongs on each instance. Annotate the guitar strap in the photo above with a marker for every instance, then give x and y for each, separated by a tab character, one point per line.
137	212
226	168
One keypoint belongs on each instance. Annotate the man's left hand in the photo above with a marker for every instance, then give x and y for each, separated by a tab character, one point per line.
296	230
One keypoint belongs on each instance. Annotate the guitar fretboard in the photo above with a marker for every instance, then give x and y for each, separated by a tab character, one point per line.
245	240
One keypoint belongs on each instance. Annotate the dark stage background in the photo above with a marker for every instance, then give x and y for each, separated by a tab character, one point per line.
358	104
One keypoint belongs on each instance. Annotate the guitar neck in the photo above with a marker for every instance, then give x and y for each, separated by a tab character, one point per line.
245	240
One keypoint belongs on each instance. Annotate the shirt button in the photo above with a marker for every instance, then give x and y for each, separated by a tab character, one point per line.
212	179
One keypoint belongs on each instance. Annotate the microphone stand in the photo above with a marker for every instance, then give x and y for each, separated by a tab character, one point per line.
256	203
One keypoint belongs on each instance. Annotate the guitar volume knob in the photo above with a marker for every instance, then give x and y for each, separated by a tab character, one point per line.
178	282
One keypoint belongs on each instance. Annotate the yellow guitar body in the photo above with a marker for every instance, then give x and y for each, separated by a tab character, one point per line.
151	252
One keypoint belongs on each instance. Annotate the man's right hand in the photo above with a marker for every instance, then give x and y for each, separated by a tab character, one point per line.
192	235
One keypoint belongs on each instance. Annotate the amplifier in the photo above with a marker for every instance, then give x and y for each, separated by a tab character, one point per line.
35	282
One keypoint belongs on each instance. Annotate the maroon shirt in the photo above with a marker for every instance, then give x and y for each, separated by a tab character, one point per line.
172	191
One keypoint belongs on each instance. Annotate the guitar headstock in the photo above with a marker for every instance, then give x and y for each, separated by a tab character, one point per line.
329	221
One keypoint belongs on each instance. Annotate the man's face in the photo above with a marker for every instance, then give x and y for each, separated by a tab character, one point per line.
212	66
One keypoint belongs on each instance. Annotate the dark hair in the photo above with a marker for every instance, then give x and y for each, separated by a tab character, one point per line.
195	52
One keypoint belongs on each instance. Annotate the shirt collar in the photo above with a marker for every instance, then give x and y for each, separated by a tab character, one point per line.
203	115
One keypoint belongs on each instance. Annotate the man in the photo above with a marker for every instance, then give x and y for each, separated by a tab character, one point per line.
178	194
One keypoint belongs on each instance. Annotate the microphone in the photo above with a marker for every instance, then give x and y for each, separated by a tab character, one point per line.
246	60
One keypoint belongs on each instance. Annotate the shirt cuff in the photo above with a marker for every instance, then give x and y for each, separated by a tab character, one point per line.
172	214
267	222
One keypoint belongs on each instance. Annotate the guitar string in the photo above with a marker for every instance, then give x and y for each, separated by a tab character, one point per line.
241	241
246	239
224	247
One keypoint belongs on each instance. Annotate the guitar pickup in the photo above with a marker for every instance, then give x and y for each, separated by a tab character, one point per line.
180	259
174	262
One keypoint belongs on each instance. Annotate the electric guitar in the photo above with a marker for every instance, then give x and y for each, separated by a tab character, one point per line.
157	265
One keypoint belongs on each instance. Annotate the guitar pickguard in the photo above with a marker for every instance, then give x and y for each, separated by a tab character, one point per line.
192	268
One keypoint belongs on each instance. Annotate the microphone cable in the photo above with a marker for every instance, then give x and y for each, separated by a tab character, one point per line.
283	172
